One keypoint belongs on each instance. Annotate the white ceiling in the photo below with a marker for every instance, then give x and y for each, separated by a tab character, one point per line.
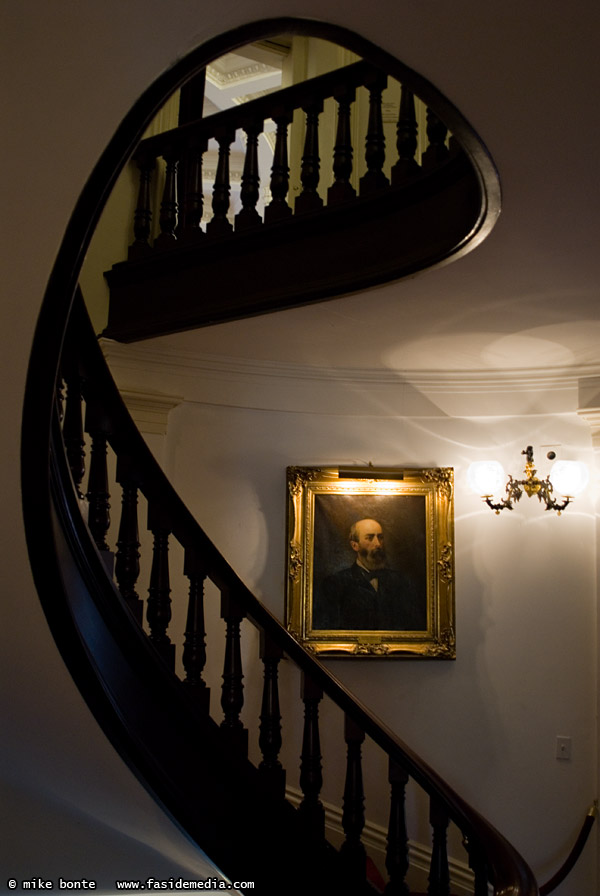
527	298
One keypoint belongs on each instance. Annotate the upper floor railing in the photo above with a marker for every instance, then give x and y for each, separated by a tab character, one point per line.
419	201
181	216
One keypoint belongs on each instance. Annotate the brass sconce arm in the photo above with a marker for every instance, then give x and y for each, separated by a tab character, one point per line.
531	485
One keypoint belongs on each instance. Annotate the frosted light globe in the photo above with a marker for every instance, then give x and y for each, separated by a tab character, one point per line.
486	477
569	477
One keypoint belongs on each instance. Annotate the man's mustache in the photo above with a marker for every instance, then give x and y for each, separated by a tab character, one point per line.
377	552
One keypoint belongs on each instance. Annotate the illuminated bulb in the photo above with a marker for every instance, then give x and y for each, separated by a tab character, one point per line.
486	477
569	477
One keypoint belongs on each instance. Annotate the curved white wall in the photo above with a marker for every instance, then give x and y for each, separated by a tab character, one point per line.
525	604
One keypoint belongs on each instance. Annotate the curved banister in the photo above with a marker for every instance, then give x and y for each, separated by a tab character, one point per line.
111	660
506	869
576	850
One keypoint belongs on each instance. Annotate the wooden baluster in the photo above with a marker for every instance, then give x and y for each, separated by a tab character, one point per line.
143	212
191	98
269	741
396	860
222	188
311	810
439	874
194	648
375	180
309	199
437	151
342	190
477	866
250	192
232	697
98	495
73	428
168	208
278	208
158	612
406	167
191	104
127	561
193	201
353	815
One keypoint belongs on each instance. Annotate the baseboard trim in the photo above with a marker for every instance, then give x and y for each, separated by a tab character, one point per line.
374	838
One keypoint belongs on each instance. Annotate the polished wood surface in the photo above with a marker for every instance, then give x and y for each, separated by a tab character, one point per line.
490	856
178	751
236	268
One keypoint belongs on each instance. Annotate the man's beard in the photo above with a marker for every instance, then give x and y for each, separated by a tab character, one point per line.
373	558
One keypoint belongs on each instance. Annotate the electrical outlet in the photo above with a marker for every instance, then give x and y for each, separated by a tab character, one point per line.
563	747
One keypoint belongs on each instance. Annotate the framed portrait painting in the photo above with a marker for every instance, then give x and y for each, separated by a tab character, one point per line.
370	564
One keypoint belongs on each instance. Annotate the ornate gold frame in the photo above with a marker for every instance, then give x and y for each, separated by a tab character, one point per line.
434	555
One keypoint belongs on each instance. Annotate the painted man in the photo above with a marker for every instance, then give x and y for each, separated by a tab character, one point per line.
369	596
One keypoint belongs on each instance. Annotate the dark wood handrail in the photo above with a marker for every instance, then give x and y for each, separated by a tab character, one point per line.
507	870
81	603
571	860
295	97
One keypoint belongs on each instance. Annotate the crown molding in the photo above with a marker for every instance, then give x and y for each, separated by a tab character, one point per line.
279	385
185	362
150	410
589	406
241	74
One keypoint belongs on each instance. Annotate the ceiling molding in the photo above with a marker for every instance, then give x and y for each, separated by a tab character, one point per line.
184	363
150	410
589	406
242	74
294	388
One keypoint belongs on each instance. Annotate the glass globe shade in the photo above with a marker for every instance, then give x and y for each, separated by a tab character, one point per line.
486	477
569	477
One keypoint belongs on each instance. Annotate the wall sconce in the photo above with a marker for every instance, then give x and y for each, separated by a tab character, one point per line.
567	477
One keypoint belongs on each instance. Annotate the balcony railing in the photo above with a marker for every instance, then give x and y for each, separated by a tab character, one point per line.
412	208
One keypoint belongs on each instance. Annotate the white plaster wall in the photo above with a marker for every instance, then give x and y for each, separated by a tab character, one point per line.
525	605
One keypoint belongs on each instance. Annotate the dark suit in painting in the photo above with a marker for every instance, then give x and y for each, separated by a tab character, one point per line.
347	600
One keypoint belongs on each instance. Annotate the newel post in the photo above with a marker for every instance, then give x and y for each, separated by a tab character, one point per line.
143	213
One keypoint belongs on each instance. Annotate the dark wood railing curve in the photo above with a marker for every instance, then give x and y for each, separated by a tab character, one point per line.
108	422
159	724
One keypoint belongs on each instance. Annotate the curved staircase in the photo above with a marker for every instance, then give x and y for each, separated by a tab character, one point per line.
190	754
164	727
